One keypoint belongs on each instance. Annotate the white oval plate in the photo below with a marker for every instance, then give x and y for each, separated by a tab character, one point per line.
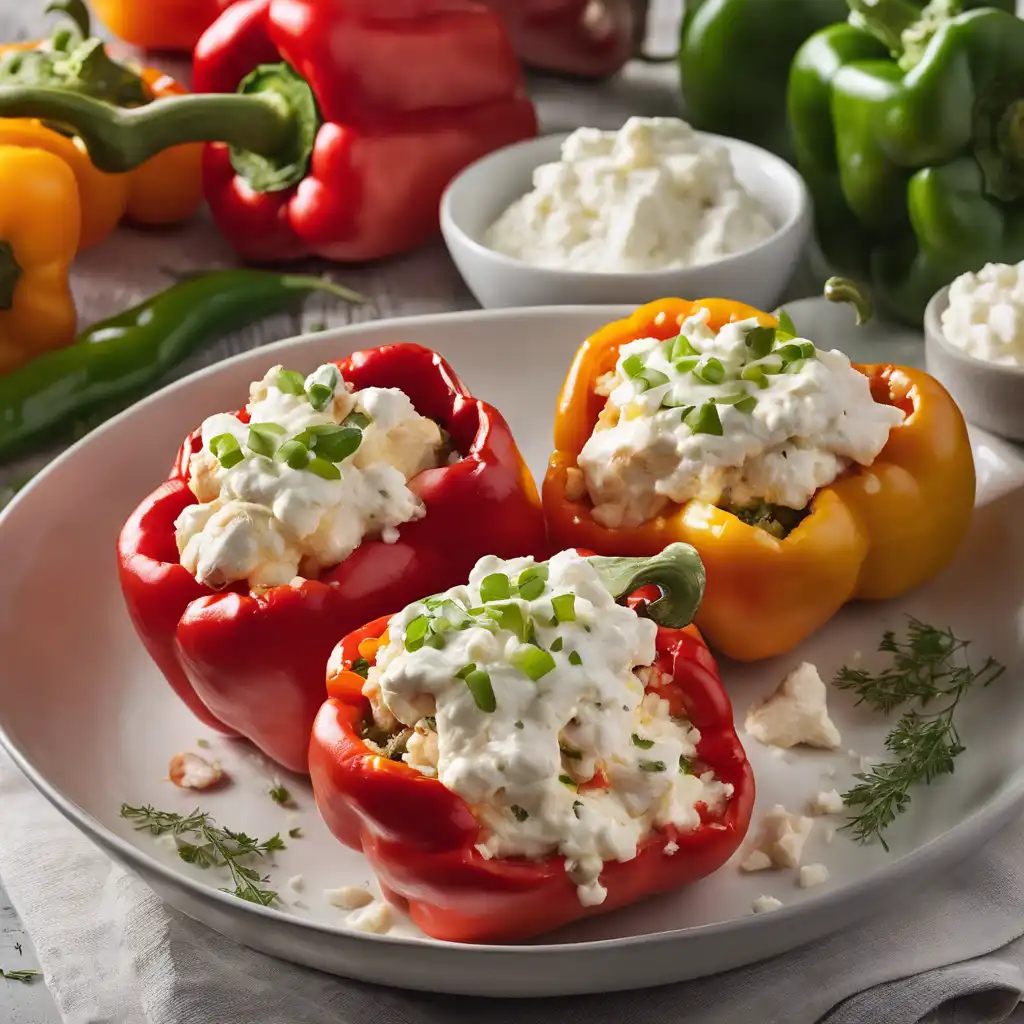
93	724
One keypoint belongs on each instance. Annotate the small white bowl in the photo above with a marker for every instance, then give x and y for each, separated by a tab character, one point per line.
482	192
990	395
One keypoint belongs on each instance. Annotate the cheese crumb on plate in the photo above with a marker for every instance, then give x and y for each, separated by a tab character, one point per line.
779	842
796	713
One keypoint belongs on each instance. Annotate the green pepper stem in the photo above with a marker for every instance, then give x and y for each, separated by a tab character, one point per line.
75	11
677	571
119	140
842	289
10	274
886	20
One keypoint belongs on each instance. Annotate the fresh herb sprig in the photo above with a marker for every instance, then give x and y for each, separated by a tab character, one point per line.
214	847
25	976
929	670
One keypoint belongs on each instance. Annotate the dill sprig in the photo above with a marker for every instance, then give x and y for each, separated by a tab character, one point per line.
928	669
215	847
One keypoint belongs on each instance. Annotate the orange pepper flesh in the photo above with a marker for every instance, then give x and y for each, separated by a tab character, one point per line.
159	24
876	532
39	219
166	189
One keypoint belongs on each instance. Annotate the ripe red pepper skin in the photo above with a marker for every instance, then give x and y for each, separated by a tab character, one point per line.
420	837
410	93
252	664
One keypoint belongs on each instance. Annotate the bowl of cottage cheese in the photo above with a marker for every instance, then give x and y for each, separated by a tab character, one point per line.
974	345
653	209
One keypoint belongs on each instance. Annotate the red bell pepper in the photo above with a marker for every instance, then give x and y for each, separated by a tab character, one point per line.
421	837
252	663
335	124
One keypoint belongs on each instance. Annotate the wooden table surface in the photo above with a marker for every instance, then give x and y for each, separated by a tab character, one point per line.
132	264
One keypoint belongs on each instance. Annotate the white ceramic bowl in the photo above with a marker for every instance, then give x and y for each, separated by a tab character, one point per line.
480	194
990	395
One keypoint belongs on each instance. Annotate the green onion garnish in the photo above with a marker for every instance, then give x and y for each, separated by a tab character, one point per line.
290	382
643	744
556	644
518	724
632	366
324	469
435	640
430	722
759	341
479	683
710	370
338	444
682	347
466	670
416	632
361	667
521	814
786	322
745	405
652	766
568	780
574	658
686	365
532	582
226	450
685	765
794	350
356	419
319	395
495	587
264	438
652	378
509	616
564	606
532	662
294	453
704	420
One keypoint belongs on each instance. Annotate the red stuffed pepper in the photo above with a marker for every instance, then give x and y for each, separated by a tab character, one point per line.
375	479
524	751
337	126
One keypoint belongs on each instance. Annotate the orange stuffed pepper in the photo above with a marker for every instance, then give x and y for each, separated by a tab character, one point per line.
804	481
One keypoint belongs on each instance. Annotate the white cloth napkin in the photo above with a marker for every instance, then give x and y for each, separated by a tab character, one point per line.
113	953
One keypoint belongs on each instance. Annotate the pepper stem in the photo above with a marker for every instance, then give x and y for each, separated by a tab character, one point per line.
886	20
10	275
75	11
677	571
270	124
842	289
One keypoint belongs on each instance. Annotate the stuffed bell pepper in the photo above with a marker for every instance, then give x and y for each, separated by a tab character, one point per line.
373	480
524	750
803	480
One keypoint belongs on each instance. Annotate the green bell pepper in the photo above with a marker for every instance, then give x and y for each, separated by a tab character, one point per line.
908	124
734	62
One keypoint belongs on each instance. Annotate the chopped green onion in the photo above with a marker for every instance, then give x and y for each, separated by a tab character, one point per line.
466	670
577	806
710	370
356	419
495	587
532	662
264	438
786	322
681	347
755	374
759	341
338	444
556	644
361	667
685	765
518	724
632	366
520	813
643	744
324	469
652	378
226	450
564	606
652	766
509	616
319	396
430	722
746	405
290	382
416	632
435	640
728	399
294	453
686	364
794	350
685	411
532	582
574	658
479	683
704	420
568	780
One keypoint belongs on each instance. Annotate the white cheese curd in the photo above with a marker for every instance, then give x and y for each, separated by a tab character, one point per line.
827	801
266	520
781	420
348	897
374	918
519	729
779	842
763	904
651	196
985	315
811	875
796	713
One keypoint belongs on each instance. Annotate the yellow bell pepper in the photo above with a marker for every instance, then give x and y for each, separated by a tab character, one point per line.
875	532
39	224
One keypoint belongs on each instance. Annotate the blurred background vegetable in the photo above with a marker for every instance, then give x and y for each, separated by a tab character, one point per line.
66	393
39	217
909	130
164	190
173	25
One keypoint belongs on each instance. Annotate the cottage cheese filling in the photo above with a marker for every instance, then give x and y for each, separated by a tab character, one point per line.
519	692
652	196
744	416
317	468
985	315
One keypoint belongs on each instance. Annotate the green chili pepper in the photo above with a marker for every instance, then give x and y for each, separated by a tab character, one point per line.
119	360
